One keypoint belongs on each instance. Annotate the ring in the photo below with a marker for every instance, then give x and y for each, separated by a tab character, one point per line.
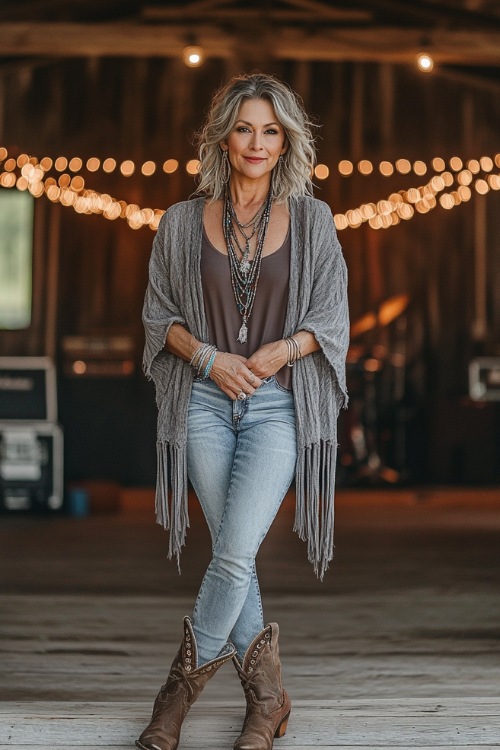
252	379
242	396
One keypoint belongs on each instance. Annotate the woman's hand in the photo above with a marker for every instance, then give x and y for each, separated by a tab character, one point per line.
231	373
267	360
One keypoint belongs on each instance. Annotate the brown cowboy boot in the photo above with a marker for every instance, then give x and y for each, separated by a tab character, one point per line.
183	686
268	705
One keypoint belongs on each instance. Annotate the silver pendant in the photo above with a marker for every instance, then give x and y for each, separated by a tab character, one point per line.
242	336
245	267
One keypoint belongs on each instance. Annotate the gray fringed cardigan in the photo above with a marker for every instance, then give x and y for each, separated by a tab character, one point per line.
317	303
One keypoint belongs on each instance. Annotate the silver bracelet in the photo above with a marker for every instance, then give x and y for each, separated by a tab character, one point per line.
294	352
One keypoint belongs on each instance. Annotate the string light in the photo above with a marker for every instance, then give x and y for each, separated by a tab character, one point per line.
192	166
321	171
148	168
399	206
170	166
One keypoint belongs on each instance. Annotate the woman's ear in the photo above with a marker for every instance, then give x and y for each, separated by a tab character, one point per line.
223	145
285	147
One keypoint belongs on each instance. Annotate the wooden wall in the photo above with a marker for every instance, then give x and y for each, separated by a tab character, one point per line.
149	109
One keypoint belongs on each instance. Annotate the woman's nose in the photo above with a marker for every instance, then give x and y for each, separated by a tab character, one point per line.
255	143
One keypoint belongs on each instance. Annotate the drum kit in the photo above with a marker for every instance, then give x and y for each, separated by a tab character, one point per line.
372	431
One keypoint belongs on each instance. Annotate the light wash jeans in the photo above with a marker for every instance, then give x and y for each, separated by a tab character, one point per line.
241	462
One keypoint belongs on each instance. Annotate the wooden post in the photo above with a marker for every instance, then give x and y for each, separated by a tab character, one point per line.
52	281
479	327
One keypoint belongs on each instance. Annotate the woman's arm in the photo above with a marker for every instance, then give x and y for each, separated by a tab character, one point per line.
229	371
272	357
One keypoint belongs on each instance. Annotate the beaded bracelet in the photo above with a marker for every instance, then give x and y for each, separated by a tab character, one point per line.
203	359
209	365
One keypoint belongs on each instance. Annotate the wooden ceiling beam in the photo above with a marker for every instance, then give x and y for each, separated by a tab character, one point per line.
387	44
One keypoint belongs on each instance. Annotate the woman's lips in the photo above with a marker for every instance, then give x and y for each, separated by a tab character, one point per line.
254	159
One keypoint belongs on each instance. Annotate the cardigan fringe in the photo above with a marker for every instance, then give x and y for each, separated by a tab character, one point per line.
172	470
314	504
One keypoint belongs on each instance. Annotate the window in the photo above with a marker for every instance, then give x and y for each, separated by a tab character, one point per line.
16	253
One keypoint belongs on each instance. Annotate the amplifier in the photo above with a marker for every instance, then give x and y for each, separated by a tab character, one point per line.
28	389
484	379
31	466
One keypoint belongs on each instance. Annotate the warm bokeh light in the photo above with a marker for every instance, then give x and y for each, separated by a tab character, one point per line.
77	183
3	153
7	180
481	187
420	168
486	163
425	63
127	168
321	171
368	210
494	181
148	168
46	163
193	56
192	166
464	177
448	179
386	168
61	163
464	192
345	167
170	166
93	164
340	221
474	166
75	164
438	164
365	167
22	183
79	367
384	208
64	180
109	165
456	163
403	166
446	201
10	165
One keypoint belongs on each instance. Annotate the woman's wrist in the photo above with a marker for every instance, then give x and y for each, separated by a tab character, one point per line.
293	351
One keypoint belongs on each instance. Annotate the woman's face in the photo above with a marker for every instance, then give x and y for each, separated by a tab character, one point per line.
256	141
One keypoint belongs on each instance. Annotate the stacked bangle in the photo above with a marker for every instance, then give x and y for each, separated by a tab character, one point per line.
294	352
203	359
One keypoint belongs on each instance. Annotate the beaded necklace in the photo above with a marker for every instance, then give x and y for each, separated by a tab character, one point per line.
245	273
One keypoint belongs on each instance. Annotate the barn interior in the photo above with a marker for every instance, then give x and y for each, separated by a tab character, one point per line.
100	103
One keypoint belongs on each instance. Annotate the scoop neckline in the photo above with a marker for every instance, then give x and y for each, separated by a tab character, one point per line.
264	257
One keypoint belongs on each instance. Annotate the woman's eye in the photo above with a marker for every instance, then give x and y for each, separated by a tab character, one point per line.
271	131
242	129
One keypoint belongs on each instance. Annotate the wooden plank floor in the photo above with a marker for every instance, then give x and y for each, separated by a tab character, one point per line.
398	648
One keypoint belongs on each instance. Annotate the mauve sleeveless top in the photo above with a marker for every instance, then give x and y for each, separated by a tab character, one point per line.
267	319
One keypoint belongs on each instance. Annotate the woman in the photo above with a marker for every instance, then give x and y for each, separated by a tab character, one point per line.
246	335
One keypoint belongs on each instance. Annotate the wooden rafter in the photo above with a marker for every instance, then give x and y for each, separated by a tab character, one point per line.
389	44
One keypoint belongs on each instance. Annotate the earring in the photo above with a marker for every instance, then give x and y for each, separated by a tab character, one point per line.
226	167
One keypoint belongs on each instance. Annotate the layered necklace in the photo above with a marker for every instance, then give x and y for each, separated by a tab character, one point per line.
244	272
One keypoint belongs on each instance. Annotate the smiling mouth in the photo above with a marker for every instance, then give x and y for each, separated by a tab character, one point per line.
254	158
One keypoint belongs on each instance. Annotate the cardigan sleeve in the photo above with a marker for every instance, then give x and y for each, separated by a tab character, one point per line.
159	309
328	314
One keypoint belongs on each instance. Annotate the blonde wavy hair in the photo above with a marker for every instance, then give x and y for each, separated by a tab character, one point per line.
293	178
